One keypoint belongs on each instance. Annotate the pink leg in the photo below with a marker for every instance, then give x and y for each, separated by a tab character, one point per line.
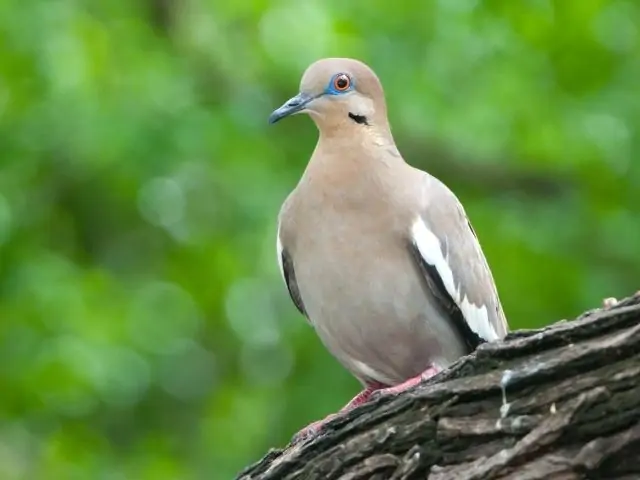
412	382
372	390
362	397
314	428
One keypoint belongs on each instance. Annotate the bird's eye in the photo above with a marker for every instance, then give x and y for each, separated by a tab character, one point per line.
341	82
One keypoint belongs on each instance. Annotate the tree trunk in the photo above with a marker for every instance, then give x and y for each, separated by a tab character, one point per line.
562	402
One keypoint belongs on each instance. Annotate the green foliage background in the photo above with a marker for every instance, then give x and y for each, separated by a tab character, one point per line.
145	332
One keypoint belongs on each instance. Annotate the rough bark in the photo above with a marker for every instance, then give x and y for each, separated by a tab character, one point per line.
570	410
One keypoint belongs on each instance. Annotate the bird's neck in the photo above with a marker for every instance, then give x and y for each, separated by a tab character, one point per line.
348	165
352	137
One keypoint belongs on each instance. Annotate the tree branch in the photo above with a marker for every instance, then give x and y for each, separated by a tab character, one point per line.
499	175
570	409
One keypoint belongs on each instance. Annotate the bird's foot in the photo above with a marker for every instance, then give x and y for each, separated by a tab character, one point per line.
372	391
406	385
313	429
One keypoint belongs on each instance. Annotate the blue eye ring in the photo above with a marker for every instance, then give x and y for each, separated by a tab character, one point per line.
340	83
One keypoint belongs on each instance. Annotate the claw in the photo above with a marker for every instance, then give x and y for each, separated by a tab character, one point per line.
372	391
315	428
312	430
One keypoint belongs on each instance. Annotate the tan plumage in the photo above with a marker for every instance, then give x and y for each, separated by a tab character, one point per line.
378	255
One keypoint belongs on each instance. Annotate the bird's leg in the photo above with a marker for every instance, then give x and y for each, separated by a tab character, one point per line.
373	390
314	428
362	397
412	382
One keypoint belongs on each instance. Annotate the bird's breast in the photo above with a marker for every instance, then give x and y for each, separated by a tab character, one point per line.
363	295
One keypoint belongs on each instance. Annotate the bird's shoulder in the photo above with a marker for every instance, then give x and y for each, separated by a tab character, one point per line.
431	198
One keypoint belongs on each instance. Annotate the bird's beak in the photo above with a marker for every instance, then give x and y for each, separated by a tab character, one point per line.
291	106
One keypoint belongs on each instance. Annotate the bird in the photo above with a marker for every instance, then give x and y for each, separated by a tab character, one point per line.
379	256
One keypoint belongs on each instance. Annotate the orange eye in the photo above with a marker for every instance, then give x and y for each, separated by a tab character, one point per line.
341	82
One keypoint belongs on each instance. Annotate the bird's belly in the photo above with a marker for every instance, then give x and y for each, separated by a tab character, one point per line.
370	312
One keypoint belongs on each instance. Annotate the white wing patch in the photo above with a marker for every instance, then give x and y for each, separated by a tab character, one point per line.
279	252
430	248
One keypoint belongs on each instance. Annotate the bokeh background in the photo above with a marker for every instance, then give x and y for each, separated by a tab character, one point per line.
145	332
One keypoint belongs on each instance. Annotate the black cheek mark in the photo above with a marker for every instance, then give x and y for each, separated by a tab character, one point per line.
360	119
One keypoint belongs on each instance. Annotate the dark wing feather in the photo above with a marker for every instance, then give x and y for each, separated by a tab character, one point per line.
290	280
436	286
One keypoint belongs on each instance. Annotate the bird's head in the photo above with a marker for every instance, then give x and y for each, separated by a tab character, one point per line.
338	93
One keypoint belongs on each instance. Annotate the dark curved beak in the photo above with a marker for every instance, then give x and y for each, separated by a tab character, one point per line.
293	105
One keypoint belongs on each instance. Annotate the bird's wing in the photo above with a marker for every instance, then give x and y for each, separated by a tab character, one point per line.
288	274
449	255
